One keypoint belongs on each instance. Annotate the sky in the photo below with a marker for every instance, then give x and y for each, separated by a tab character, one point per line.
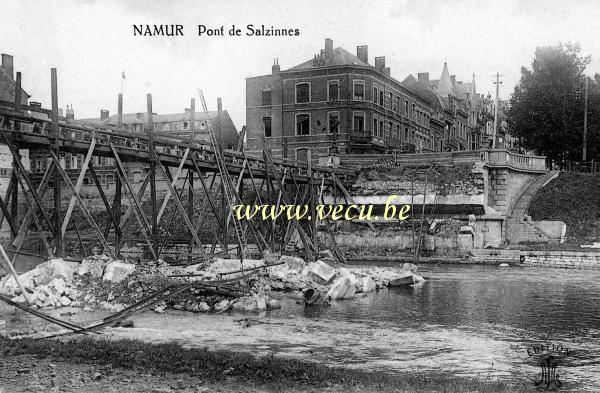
91	43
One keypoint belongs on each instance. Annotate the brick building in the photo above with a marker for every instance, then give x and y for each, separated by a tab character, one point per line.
335	102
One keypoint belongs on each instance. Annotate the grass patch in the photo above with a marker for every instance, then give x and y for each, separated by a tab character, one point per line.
574	199
219	365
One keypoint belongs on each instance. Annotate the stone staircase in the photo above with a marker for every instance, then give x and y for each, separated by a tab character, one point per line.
519	227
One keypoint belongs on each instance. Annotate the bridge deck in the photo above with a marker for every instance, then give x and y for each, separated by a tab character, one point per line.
34	132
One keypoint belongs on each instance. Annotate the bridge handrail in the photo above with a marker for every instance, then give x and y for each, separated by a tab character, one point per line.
69	131
503	157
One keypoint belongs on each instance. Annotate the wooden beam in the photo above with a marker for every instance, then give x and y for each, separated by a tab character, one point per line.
25	224
348	196
109	210
9	218
82	205
38	225
206	191
139	213
139	196
173	183
181	209
24	177
56	132
8	195
152	156
78	185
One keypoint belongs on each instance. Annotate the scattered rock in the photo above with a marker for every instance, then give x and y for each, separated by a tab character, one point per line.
222	305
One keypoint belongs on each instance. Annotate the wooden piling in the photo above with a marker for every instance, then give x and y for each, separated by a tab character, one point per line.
56	132
152	173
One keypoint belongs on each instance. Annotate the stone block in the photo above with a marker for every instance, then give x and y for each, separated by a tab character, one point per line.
117	271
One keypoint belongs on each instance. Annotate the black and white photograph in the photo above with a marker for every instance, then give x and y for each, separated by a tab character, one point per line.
299	196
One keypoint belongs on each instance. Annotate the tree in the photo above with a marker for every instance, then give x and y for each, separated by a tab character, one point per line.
546	111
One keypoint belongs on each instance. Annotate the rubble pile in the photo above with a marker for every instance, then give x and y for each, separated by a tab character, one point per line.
295	275
99	282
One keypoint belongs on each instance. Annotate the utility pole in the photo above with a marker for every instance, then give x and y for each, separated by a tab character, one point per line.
585	111
497	83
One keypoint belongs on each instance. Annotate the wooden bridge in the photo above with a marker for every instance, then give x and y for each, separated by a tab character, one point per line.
37	129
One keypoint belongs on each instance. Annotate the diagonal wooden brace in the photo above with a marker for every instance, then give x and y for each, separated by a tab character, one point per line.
173	183
180	207
78	185
139	213
82	205
25	177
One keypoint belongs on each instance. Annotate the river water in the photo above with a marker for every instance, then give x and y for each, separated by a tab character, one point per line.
464	321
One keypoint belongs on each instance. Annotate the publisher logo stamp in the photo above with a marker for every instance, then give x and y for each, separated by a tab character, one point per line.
548	357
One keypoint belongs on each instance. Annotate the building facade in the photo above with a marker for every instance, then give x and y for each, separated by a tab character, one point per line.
335	103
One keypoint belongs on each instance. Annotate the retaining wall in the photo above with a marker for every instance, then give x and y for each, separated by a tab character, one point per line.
561	259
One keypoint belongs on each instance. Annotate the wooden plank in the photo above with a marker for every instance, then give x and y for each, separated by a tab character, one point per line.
78	185
82	205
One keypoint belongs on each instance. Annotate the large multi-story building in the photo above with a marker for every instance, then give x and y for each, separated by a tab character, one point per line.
463	112
177	125
335	102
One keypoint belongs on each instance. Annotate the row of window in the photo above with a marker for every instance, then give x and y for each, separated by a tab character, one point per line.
303	96
358	124
70	161
167	126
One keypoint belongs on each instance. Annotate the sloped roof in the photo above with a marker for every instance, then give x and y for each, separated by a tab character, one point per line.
425	91
445	86
466	88
134	118
340	57
5	76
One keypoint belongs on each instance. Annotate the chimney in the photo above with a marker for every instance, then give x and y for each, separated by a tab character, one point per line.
380	63
328	49
104	114
70	113
453	79
7	64
275	68
386	71
362	52
423	78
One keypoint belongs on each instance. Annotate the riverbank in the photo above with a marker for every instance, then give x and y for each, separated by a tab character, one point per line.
101	365
466	321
